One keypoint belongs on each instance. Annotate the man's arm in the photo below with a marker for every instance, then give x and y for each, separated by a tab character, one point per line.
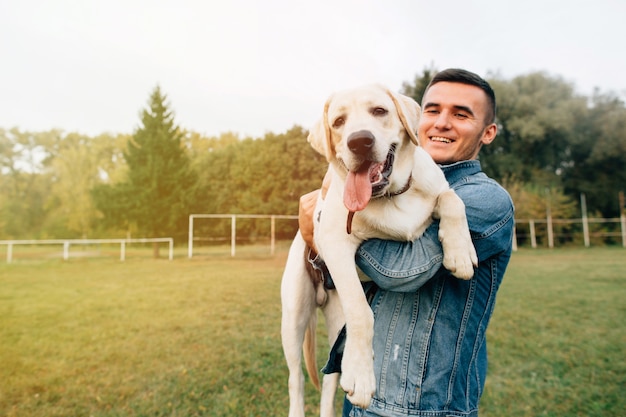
406	266
402	266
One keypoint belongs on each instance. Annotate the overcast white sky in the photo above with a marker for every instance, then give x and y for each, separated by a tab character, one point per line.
252	67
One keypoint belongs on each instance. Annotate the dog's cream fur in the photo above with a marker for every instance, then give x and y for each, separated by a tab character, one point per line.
389	119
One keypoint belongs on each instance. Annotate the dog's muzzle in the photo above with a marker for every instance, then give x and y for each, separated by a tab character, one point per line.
370	180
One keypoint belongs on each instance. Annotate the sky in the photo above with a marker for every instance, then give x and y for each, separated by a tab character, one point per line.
254	67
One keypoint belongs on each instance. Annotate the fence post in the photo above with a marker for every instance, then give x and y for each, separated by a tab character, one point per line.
190	242
583	209
272	233
622	218
533	236
549	217
9	253
66	250
233	234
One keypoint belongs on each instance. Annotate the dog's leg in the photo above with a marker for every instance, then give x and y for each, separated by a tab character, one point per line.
459	254
357	366
330	383
298	308
338	249
333	316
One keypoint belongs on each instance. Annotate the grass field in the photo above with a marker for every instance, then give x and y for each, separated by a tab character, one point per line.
201	337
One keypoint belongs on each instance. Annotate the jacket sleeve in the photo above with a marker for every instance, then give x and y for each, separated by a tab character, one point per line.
406	266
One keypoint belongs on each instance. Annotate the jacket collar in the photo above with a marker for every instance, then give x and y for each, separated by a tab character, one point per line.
458	170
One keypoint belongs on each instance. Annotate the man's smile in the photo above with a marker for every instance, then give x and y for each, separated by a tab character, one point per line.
441	139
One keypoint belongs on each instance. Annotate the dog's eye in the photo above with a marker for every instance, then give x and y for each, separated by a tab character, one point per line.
379	111
338	122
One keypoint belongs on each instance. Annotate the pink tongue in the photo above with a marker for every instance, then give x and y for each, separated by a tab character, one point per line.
358	190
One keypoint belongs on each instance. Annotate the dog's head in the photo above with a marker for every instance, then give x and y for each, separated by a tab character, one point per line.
368	135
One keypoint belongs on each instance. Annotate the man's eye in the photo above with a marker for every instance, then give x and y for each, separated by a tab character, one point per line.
338	122
379	111
461	115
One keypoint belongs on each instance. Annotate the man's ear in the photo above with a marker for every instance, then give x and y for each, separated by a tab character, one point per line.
320	136
489	134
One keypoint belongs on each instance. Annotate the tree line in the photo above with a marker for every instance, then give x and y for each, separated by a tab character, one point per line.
553	144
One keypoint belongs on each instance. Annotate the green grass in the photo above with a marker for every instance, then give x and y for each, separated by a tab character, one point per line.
557	338
98	337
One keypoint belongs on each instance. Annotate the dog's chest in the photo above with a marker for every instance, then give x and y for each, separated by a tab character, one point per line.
390	222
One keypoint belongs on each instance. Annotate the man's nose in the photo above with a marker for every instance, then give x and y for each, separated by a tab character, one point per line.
443	121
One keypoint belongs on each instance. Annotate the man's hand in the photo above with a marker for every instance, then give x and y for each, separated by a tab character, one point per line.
305	217
306	210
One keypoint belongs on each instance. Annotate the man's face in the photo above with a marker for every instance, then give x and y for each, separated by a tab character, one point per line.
453	124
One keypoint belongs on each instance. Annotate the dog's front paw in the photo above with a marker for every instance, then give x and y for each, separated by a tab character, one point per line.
460	259
357	376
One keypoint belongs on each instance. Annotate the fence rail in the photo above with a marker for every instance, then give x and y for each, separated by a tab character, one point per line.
67	242
549	225
233	227
547	229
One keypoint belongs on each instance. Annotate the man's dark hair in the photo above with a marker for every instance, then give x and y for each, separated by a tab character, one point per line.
457	75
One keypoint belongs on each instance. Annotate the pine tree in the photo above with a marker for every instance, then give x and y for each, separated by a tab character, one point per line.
156	195
417	89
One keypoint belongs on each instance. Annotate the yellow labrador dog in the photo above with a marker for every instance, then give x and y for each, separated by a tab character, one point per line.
383	185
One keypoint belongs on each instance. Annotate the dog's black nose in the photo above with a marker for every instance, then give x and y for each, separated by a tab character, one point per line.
361	142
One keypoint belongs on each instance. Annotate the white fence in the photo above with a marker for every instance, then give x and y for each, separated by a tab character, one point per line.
549	224
547	227
67	242
233	227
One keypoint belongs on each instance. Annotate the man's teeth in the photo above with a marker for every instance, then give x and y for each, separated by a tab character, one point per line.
440	139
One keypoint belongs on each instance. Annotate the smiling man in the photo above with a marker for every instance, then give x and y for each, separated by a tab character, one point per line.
430	347
457	119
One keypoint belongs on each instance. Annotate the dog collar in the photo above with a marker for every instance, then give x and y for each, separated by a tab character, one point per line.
387	194
400	191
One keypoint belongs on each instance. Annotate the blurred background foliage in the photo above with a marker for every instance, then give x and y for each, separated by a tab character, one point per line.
553	145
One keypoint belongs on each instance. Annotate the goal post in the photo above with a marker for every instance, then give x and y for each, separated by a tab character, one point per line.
233	228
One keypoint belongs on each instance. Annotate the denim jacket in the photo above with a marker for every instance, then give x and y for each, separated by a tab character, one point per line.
430	350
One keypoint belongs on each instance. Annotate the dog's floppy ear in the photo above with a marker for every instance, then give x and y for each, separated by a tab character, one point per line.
320	135
409	113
